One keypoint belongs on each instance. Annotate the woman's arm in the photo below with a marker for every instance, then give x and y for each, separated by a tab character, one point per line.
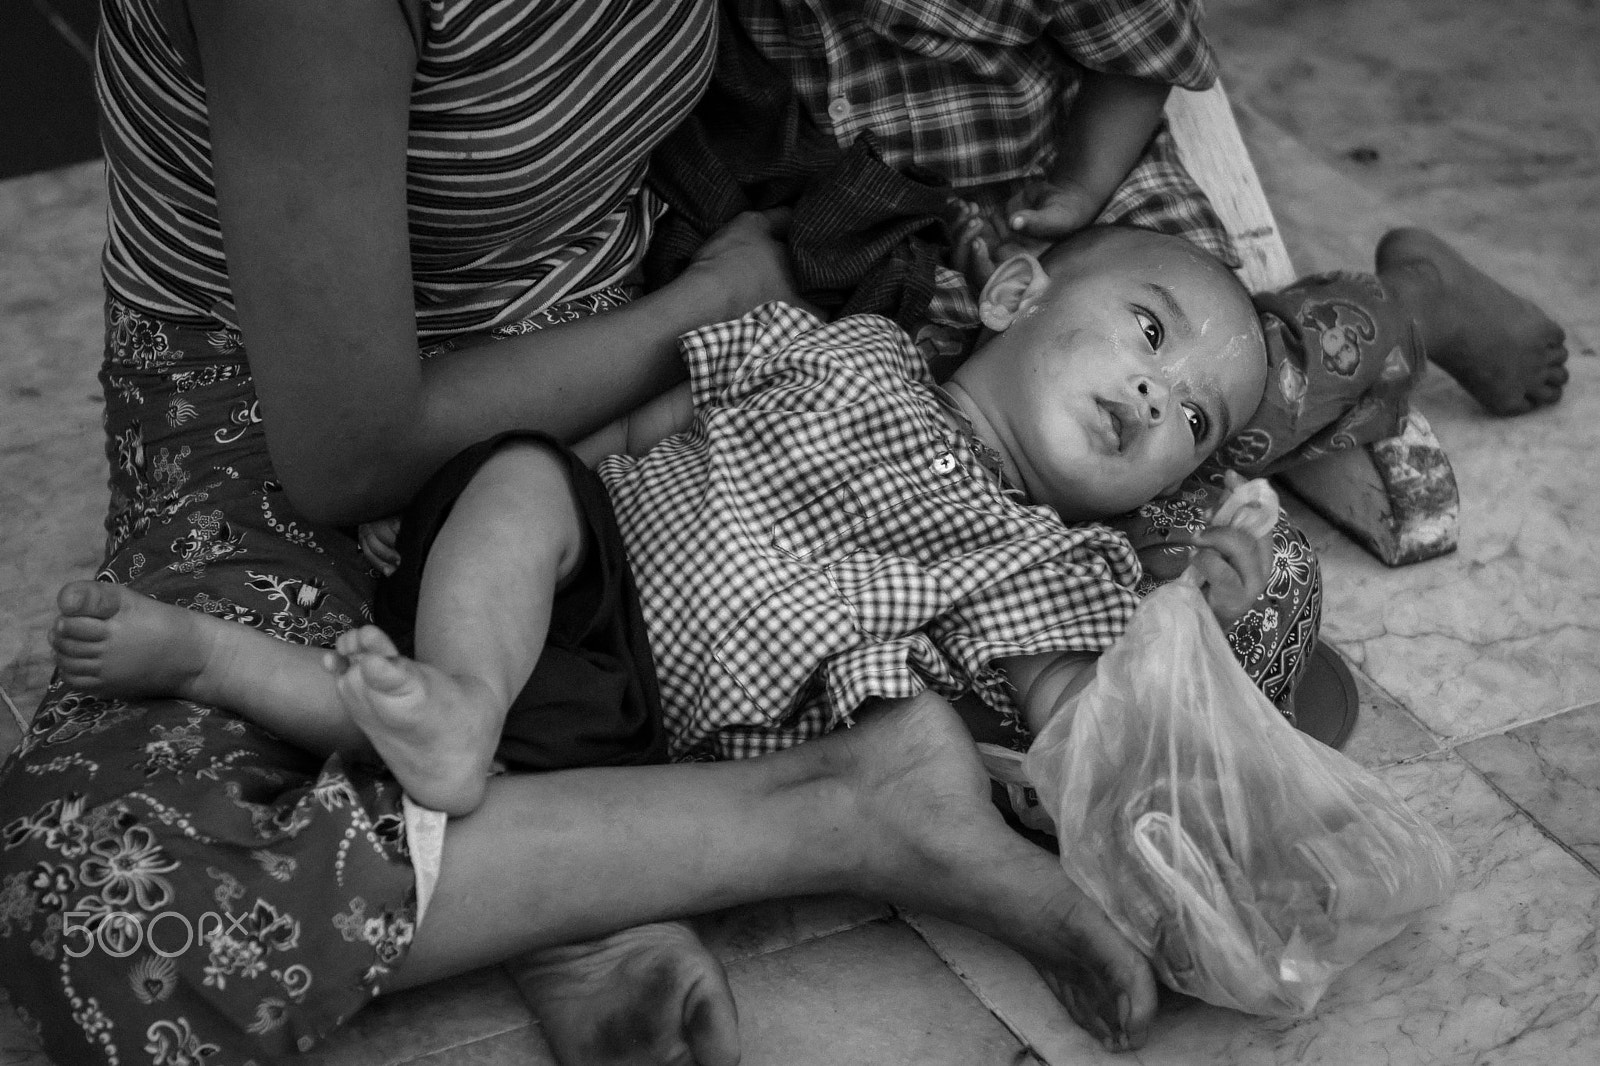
309	109
641	429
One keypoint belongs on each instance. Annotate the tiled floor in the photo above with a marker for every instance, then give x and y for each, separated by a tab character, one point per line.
1480	672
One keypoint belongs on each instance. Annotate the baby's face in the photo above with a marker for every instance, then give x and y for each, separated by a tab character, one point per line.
1135	363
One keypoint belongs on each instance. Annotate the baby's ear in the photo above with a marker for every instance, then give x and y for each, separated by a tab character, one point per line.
1015	285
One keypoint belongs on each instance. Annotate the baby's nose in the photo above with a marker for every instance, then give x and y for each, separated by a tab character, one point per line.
1153	398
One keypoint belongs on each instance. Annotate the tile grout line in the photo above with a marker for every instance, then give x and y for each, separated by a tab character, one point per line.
1533	819
1501	731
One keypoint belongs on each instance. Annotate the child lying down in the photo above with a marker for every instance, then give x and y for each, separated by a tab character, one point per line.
833	528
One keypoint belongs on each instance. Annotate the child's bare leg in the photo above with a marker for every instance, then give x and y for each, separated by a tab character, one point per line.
1502	349
482	615
112	641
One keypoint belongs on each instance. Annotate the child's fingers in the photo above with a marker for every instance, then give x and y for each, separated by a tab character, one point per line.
1248	557
1249	505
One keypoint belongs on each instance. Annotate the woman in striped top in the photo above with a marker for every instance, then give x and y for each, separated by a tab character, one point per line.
302	197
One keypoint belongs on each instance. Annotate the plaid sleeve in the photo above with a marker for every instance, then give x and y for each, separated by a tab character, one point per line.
779	357
1077	600
720	354
1159	39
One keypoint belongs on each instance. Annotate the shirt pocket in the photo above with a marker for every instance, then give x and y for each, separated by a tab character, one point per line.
854	514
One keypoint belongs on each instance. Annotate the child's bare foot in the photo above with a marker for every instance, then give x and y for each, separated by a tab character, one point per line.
436	733
112	641
646	995
941	846
1502	349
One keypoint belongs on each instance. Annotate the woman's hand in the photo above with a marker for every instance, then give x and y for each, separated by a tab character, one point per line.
749	262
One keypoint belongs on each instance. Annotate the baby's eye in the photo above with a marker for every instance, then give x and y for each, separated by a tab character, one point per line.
1199	424
1151	327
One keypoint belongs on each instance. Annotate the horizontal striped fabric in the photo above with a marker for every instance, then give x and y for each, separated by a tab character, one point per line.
531	123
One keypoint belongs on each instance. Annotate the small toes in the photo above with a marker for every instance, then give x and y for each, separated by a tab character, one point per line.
348	643
381	672
93	599
77	628
1544	395
373	641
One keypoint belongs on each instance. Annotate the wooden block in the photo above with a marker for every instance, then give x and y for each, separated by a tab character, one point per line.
1397	498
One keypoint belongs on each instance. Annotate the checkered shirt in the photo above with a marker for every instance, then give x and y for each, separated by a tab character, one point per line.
822	536
977	92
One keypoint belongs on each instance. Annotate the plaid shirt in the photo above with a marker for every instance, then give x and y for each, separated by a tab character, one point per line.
977	92
822	535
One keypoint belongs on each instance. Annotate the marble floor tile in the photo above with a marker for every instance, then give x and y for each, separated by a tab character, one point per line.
874	995
52	466
433	1021
1503	630
518	1047
1550	769
1505	972
759	928
1385	732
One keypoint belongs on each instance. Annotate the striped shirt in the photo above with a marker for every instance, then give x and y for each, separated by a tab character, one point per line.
531	123
822	535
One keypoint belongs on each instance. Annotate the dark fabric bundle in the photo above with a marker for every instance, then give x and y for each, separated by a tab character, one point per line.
863	238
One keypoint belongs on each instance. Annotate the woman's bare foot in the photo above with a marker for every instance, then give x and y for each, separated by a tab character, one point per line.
435	732
112	641
940	845
645	996
1502	349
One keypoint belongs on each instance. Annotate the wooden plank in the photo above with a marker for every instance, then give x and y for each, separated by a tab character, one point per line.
1214	153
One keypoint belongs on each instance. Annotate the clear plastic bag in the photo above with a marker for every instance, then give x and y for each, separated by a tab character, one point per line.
1250	863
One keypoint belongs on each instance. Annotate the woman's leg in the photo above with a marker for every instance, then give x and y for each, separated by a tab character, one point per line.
895	808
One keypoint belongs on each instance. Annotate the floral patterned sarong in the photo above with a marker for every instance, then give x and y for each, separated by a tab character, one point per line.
177	885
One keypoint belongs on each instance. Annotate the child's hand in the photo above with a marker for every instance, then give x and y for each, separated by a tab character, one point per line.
1233	557
1051	210
977	239
377	540
1233	568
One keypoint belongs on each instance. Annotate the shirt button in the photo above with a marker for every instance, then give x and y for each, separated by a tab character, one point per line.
944	463
839	110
